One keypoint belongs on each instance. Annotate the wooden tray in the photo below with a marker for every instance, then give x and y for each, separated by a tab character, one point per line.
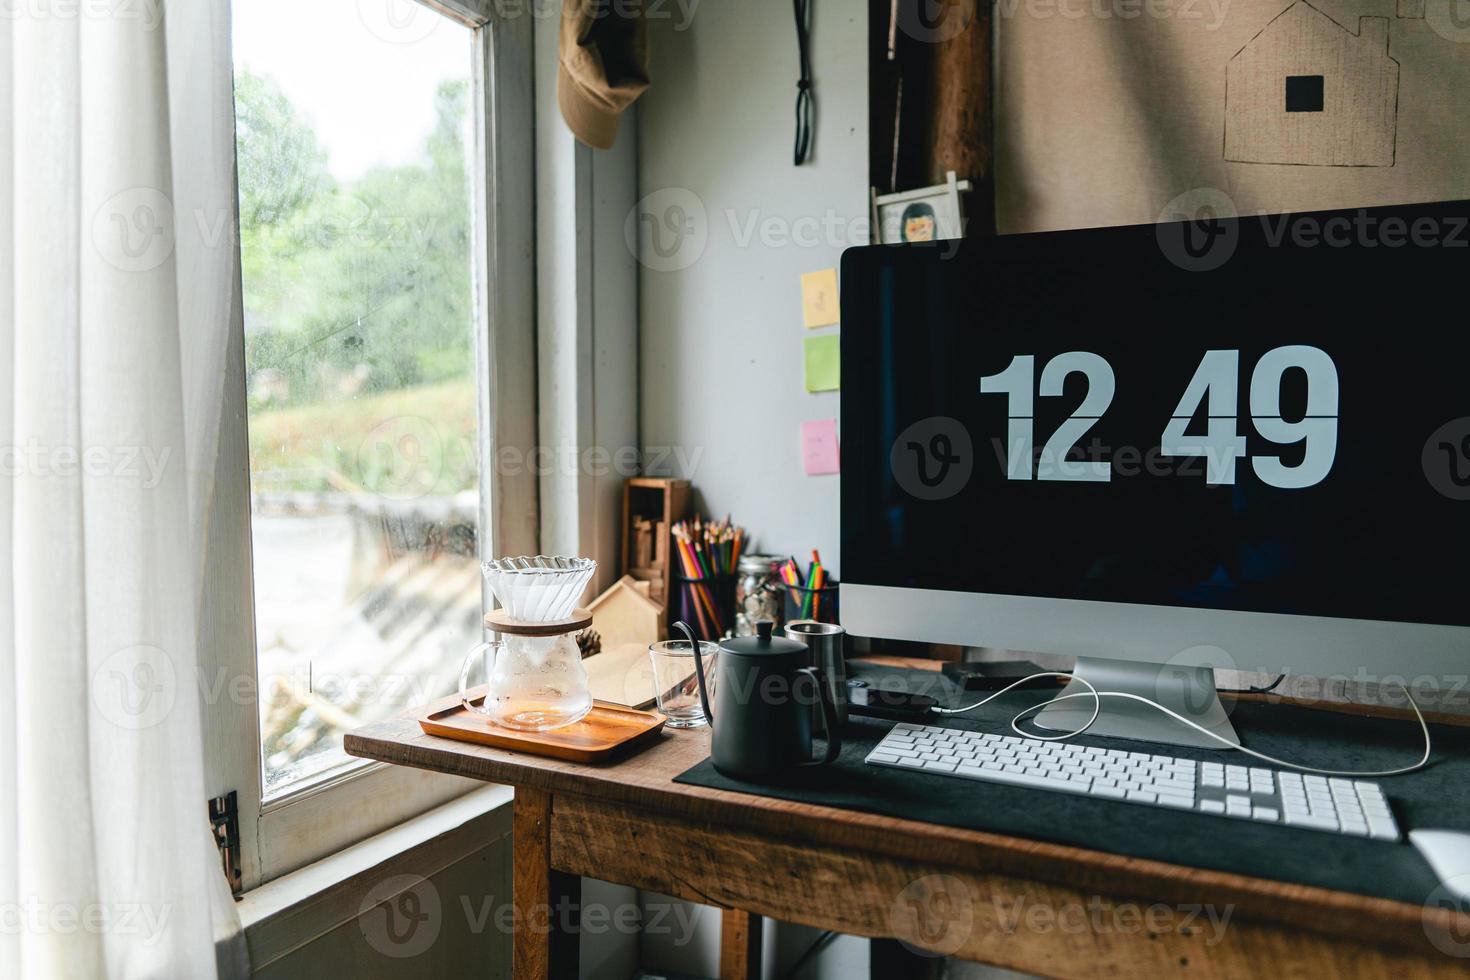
607	730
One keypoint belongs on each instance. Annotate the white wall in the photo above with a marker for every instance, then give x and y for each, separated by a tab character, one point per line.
720	330
720	361
587	328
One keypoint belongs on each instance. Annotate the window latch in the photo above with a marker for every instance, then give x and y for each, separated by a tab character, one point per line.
224	819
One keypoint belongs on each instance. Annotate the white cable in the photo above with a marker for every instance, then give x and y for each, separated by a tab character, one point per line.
1097	697
1096	706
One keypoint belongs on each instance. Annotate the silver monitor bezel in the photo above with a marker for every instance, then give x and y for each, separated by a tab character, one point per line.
1363	650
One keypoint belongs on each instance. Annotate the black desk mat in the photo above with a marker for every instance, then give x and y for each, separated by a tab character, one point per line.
1437	796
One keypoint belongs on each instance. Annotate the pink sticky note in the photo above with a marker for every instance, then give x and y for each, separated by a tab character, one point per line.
819	447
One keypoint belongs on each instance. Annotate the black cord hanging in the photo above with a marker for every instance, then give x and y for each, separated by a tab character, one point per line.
805	106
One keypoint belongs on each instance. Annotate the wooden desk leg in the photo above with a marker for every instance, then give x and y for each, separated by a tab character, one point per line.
740	945
547	903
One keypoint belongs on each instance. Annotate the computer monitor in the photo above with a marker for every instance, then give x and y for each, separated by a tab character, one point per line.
1094	443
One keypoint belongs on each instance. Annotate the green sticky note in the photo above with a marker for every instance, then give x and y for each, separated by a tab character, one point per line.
823	363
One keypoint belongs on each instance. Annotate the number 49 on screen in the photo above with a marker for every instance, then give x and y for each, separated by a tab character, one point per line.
1214	387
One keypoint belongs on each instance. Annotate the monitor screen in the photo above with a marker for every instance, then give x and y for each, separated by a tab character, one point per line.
1076	416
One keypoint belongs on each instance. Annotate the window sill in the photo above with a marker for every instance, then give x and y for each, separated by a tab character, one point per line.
285	914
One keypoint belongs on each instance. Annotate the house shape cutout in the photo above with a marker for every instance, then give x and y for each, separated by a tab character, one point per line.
1308	91
625	614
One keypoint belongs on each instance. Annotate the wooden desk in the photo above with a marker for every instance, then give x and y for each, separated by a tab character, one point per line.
1022	904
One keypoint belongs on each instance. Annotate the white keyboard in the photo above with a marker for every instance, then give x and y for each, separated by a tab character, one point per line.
1343	806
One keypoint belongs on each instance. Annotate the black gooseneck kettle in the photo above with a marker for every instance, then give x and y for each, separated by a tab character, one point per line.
764	689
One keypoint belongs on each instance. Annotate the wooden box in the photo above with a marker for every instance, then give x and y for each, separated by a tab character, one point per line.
651	507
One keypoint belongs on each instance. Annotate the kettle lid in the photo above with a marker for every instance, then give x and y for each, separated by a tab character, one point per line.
763	643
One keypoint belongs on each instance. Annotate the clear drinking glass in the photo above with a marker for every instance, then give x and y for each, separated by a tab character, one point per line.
674	683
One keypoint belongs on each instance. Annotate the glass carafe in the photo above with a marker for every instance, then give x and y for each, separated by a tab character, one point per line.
536	678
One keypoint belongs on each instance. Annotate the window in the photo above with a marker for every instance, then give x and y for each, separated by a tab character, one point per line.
1303	93
378	211
359	366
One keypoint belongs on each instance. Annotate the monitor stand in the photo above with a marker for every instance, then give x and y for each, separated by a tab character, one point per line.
1188	690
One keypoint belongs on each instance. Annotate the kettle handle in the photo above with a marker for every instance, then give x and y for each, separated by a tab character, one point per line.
829	717
683	627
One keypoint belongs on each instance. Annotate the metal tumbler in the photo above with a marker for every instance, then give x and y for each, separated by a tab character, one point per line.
824	640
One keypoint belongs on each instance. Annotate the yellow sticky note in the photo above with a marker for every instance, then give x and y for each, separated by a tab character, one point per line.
823	363
819	298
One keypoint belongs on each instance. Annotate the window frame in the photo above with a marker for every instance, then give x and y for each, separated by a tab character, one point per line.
322	815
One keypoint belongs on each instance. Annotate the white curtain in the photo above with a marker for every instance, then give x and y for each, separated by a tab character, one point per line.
118	291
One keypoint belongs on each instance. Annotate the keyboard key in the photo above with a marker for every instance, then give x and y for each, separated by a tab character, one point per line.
1211	806
1311	820
1382	830
1265	813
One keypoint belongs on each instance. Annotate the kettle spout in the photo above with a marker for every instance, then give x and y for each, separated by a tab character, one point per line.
683	627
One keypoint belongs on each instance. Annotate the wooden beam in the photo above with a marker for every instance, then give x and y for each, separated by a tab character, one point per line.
930	98
998	918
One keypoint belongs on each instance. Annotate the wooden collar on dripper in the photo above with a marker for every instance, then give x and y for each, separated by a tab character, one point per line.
499	622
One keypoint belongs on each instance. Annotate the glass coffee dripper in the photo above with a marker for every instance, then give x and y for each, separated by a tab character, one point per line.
534	666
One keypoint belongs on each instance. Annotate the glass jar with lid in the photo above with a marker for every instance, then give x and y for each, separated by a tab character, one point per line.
757	592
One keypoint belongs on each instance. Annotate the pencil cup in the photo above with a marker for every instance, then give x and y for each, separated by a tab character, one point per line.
706	604
814	604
